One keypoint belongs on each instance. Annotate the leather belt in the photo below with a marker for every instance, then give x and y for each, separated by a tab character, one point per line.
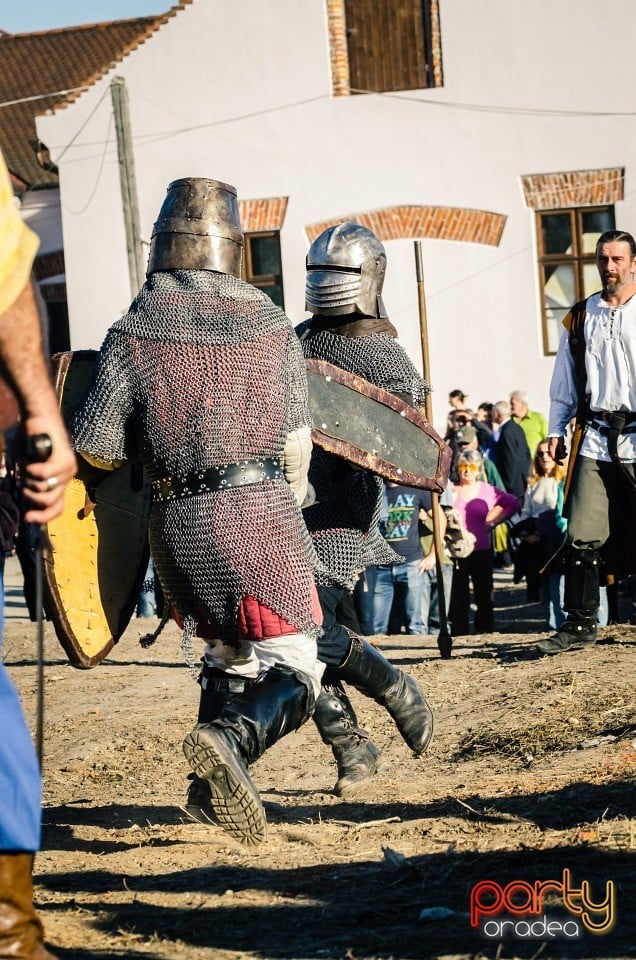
213	479
612	424
607	416
606	421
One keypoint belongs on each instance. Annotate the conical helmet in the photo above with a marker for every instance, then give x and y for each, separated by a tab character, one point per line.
345	272
198	228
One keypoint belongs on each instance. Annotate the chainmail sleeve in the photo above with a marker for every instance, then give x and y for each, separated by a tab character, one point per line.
103	425
298	414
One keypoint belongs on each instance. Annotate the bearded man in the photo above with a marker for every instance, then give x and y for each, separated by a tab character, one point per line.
594	380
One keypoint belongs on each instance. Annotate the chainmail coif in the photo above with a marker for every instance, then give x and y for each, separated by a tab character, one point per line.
344	520
204	370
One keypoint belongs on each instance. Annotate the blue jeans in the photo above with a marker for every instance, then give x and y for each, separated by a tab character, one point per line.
402	581
430	596
363	600
20	784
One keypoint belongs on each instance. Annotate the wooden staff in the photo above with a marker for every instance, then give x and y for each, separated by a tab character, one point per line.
444	638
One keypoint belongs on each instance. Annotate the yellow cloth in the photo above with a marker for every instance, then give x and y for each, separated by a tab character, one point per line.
101	464
18	245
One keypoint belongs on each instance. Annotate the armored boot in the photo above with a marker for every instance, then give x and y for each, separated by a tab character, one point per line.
21	935
219	752
581	600
355	754
217	689
376	677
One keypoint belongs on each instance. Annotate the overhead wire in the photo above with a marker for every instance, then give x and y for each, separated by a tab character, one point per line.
42	96
498	108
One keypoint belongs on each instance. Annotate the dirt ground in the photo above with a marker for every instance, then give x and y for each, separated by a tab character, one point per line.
530	773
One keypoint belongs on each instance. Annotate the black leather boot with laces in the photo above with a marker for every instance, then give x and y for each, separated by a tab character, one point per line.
355	754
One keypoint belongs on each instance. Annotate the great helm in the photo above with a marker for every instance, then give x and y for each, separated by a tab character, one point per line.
345	272
198	228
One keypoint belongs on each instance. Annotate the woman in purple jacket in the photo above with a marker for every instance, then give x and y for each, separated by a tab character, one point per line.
482	507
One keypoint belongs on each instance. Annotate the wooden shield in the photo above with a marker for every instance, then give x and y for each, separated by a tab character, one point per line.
99	545
371	428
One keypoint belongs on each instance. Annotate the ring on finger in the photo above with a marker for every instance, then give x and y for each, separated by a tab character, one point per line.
51	483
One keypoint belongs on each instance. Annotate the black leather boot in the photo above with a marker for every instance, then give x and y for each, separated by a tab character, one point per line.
355	754
219	752
376	677
217	689
581	600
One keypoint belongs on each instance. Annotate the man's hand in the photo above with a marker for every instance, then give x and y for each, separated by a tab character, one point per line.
557	449
44	482
428	562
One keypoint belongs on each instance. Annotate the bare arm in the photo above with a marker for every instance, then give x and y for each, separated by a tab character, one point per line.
24	367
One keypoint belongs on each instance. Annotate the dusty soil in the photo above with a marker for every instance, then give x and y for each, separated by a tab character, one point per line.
531	772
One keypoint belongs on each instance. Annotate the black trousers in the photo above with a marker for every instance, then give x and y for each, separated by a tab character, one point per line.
334	643
477	568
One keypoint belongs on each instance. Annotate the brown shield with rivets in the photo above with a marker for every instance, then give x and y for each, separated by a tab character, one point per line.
373	429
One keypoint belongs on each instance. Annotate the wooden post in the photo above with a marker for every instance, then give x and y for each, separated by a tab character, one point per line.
128	183
444	639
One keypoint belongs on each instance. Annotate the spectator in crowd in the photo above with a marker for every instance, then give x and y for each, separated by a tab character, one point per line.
484	414
541	532
533	423
430	591
456	401
482	507
402	582
512	454
469	440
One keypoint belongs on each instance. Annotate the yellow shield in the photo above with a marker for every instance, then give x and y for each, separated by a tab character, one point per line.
99	545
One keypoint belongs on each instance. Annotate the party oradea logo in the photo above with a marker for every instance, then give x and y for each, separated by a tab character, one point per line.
518	909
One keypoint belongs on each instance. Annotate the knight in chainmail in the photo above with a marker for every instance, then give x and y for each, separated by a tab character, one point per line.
203	381
350	329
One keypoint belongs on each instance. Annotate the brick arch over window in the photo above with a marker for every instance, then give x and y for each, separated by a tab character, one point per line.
260	215
574	188
413	222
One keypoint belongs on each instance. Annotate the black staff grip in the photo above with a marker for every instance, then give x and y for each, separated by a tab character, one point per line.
38	448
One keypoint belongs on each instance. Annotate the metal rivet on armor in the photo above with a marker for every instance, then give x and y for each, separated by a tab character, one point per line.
402	413
399	470
324	426
328	379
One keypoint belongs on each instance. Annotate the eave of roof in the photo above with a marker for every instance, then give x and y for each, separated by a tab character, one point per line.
49	69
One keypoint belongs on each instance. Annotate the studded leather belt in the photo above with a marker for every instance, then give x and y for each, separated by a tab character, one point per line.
213	479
